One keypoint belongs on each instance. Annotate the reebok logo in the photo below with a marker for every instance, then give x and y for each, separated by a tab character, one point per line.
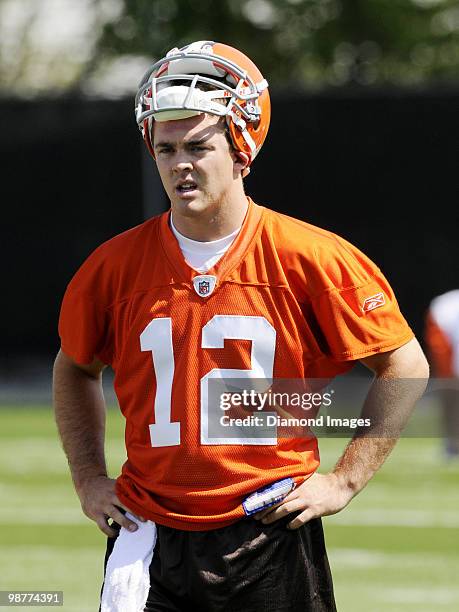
374	301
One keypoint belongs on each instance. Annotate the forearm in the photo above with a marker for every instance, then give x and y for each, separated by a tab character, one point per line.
80	417
388	406
80	411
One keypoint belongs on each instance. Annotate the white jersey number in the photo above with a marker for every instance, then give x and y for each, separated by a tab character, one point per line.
157	338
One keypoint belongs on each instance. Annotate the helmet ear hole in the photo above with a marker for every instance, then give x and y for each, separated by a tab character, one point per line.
245	159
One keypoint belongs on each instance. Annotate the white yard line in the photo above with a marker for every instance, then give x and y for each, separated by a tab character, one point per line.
43	516
360	558
396	518
423	595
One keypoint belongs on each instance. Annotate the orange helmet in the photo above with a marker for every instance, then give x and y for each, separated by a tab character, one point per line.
207	77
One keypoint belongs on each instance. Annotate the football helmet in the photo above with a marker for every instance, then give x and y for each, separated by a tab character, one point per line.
207	77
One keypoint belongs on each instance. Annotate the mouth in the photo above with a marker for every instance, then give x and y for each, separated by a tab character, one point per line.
186	189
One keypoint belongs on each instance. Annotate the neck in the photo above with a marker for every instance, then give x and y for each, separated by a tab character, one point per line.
213	223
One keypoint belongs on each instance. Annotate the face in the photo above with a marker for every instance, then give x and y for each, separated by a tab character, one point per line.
198	168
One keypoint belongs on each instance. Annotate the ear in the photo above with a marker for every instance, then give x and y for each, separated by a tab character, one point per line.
241	163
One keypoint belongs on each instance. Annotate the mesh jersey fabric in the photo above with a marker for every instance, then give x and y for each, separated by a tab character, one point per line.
289	296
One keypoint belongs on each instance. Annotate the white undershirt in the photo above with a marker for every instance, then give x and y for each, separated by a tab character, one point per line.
203	255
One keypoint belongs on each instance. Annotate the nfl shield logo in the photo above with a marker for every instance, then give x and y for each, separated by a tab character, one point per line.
203	287
204	284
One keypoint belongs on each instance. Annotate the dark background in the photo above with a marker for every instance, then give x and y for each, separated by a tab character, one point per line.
378	167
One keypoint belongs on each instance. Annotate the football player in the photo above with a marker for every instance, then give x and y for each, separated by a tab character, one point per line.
218	287
442	341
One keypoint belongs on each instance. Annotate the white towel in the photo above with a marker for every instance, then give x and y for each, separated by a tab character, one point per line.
127	576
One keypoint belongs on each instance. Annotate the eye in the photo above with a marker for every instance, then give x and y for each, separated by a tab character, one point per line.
163	150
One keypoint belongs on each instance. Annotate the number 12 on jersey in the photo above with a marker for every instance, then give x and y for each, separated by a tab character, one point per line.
157	339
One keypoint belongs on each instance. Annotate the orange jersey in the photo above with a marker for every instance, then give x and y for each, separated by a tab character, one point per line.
290	301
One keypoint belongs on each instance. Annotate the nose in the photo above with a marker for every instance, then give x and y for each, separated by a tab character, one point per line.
181	162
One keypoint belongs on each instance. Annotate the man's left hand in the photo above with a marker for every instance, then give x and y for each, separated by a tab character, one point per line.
319	495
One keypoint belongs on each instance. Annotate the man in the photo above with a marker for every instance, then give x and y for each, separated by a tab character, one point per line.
218	287
442	341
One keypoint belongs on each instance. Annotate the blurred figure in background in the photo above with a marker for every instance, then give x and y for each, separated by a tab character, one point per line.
442	341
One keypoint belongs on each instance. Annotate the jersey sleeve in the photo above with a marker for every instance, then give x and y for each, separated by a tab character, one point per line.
354	304
85	321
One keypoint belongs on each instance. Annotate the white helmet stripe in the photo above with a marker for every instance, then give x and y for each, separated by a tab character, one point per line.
249	140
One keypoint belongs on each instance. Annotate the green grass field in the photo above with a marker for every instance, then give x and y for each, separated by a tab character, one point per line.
394	549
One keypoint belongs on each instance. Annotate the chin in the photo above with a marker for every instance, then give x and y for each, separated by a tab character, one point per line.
191	207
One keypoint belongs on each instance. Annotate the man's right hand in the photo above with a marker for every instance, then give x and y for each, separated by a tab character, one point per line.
100	503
